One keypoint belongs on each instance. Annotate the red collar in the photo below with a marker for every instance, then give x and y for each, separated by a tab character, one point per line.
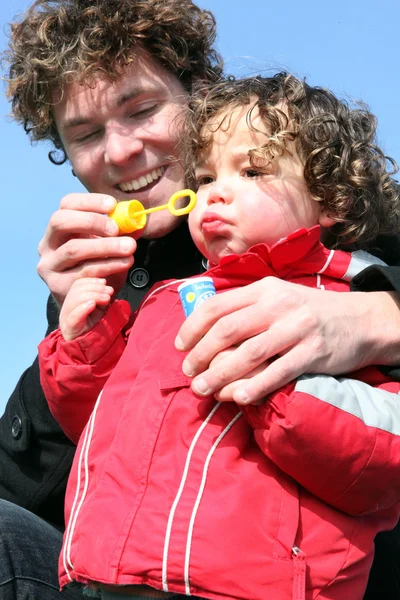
299	254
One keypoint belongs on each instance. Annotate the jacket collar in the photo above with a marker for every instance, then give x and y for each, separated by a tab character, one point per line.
298	255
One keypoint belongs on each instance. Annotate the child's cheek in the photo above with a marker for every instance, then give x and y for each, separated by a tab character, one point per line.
194	222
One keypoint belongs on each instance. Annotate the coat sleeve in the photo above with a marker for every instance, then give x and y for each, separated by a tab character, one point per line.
73	373
35	455
337	437
377	278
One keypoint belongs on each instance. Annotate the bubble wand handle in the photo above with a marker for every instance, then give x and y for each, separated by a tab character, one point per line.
130	215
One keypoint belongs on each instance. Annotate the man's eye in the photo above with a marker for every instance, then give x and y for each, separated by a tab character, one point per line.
204	180
143	111
87	136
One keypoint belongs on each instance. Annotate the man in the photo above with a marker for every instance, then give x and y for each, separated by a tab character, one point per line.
105	82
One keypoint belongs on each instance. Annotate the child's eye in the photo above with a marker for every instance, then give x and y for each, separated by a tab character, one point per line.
204	180
251	173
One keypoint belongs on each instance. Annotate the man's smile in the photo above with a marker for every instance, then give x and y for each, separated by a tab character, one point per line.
142	181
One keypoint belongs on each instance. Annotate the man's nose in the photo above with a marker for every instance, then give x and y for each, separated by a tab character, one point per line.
121	146
221	192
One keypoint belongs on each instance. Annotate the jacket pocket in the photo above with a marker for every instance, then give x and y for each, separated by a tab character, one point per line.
174	382
289	519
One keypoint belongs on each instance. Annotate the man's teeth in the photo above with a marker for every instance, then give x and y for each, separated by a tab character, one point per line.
137	184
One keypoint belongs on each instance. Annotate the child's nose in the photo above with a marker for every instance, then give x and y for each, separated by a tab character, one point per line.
220	192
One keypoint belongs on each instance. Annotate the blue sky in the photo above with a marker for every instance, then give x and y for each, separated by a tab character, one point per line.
350	46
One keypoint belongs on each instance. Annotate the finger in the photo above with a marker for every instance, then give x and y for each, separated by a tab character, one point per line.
91	285
98	293
221	355
64	225
87	293
60	282
246	357
113	269
227	332
78	250
100	203
93	282
284	369
225	394
211	312
75	323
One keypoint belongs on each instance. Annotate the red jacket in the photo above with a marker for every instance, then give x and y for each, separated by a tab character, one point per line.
197	497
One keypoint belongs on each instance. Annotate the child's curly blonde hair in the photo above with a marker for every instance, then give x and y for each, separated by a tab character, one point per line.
344	168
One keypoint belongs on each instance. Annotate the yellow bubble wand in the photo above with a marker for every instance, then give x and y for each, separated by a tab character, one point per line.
130	215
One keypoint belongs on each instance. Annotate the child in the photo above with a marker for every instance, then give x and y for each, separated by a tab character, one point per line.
192	496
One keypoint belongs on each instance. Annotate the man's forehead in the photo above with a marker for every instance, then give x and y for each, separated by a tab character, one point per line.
98	91
100	88
143	74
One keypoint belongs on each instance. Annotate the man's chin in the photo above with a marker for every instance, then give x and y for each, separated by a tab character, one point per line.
158	229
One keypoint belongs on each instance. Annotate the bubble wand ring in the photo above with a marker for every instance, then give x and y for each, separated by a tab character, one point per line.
130	215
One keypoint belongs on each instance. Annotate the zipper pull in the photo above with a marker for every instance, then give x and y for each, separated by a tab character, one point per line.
299	573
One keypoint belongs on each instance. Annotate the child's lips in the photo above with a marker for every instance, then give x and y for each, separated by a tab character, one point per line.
213	223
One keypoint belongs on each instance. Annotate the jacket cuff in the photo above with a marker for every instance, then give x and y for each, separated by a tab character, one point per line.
95	343
91	347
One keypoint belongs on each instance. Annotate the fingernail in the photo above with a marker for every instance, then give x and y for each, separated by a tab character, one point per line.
187	368
241	397
126	244
111	226
178	343
201	387
109	203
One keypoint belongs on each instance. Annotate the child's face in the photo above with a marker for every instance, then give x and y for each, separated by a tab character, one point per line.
239	206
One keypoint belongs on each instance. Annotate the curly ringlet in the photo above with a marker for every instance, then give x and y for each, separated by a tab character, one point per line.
344	168
57	41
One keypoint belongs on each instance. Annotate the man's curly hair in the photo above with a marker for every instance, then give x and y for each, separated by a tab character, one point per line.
57	41
344	168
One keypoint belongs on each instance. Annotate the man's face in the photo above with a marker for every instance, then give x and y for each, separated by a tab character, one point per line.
120	137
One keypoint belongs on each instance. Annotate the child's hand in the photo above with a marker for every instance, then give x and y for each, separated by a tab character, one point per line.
84	306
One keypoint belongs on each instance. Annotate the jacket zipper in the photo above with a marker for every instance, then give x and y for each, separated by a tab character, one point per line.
299	573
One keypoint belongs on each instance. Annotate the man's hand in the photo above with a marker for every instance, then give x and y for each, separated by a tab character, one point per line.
84	306
303	330
226	394
81	241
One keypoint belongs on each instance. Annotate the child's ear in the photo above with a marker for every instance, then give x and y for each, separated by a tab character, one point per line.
325	220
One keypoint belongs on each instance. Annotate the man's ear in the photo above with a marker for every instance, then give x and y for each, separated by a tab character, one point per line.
325	220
